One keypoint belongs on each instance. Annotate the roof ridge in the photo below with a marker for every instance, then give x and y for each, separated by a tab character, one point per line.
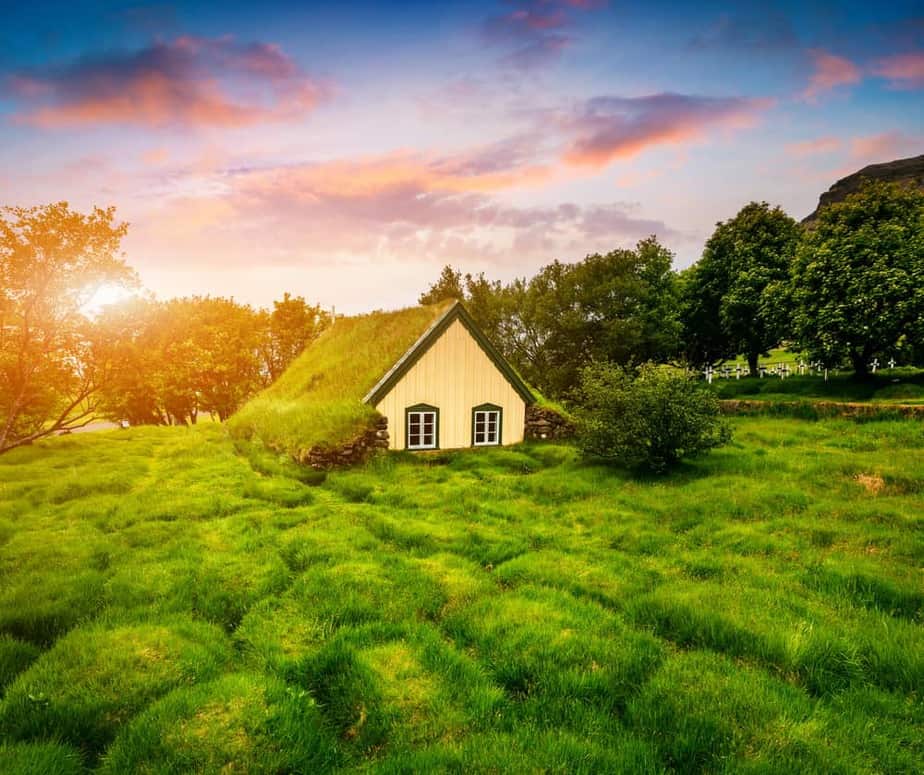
410	351
458	311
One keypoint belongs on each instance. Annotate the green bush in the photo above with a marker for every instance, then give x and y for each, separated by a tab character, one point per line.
648	419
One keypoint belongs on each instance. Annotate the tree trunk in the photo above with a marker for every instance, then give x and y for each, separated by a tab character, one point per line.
860	366
752	362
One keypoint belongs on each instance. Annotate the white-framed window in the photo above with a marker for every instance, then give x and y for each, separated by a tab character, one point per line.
423	428
486	425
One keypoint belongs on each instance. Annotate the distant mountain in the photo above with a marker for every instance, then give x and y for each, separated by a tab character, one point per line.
910	171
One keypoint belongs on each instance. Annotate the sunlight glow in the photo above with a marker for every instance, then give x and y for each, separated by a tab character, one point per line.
104	296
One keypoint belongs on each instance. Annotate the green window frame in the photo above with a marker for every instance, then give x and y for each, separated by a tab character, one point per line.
421	427
487	425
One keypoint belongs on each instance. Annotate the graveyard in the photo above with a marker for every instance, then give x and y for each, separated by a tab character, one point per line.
787	377
173	603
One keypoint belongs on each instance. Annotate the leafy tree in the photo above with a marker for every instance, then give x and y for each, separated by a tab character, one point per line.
52	261
487	303
171	360
858	279
620	307
126	344
448	286
646	420
292	326
733	296
704	341
223	343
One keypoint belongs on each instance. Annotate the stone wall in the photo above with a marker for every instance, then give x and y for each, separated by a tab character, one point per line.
545	423
357	450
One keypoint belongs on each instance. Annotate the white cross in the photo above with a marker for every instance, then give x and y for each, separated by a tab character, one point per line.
737	372
801	366
875	364
891	363
708	372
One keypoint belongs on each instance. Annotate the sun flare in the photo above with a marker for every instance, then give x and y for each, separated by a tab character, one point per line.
104	296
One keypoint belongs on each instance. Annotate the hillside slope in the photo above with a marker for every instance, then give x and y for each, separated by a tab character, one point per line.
909	171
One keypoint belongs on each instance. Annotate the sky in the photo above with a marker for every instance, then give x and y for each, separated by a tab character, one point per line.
345	152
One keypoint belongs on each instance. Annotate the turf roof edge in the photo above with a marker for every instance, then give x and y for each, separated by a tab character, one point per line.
426	340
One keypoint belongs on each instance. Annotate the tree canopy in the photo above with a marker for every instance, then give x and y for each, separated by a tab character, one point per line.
52	261
171	360
858	279
734	297
621	306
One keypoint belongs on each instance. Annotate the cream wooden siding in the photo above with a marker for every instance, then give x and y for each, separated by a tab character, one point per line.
454	375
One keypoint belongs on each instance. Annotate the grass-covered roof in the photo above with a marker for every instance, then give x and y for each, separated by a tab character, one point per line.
319	398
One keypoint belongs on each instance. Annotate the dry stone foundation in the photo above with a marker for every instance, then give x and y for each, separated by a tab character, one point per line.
545	423
357	450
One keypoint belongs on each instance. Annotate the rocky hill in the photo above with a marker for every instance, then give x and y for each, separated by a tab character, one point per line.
909	171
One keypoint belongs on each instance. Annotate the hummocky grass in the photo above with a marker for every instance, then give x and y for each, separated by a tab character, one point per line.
176	601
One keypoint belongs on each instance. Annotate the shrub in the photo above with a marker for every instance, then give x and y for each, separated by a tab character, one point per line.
649	419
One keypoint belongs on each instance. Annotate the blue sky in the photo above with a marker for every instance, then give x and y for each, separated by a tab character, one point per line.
347	151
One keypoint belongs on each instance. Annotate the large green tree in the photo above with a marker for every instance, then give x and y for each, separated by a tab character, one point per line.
52	262
732	298
858	277
620	307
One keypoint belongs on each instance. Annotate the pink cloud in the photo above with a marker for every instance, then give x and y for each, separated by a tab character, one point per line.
609	128
814	147
830	71
395	207
903	71
885	146
189	82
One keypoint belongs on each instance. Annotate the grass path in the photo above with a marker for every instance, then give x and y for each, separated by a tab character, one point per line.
171	603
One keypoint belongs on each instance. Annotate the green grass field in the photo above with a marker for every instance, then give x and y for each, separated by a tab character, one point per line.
170	604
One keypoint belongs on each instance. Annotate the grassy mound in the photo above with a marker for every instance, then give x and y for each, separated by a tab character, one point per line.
318	400
239	723
95	678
